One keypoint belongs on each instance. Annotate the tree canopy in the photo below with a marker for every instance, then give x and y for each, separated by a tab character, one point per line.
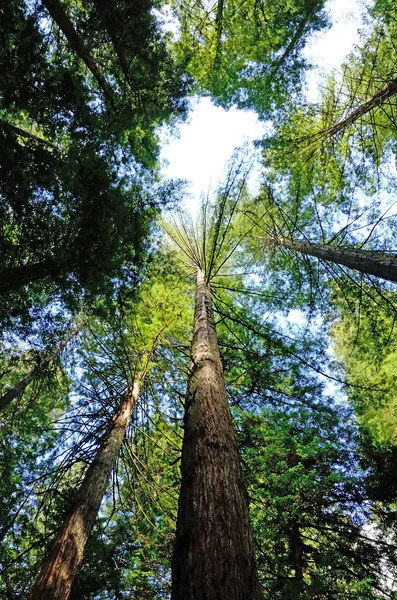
195	408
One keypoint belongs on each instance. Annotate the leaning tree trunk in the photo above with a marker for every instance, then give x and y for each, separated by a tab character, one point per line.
388	91
60	17
6	126
21	386
380	264
66	552
15	277
213	555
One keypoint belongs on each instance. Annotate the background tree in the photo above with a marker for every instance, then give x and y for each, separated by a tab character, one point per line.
79	189
247	55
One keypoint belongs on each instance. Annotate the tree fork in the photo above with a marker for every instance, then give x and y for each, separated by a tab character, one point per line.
213	556
21	386
371	262
66	553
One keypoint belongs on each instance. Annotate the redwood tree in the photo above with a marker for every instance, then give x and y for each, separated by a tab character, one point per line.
380	264
213	554
66	552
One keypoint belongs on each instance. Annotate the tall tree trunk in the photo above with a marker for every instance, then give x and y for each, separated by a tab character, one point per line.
15	277
388	91
60	17
380	264
297	560
20	387
295	538
213	555
66	553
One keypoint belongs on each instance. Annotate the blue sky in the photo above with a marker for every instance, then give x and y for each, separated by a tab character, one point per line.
208	139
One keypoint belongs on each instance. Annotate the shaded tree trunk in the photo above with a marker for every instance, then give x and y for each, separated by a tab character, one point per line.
21	386
7	126
296	550
213	555
15	277
388	91
380	264
295	538
60	17
218	33
67	551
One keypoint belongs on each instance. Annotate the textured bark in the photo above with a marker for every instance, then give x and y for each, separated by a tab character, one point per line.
213	555
388	91
380	264
66	553
15	277
21	386
60	17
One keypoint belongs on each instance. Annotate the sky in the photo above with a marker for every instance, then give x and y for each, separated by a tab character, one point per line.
208	139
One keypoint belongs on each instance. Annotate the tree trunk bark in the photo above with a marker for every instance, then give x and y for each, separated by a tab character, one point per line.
388	91
66	553
15	277
20	387
296	550
60	17
380	264
213	555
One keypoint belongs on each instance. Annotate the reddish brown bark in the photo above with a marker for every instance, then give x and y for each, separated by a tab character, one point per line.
380	264
21	386
66	553
213	555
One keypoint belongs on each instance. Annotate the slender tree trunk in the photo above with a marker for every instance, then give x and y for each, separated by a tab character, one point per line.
15	277
388	91
295	538
67	551
7	126
380	264
218	33
295	38
60	17
213	555
20	387
296	550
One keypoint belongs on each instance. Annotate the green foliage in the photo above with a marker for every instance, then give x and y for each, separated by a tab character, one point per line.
248	54
79	189
79	192
365	343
